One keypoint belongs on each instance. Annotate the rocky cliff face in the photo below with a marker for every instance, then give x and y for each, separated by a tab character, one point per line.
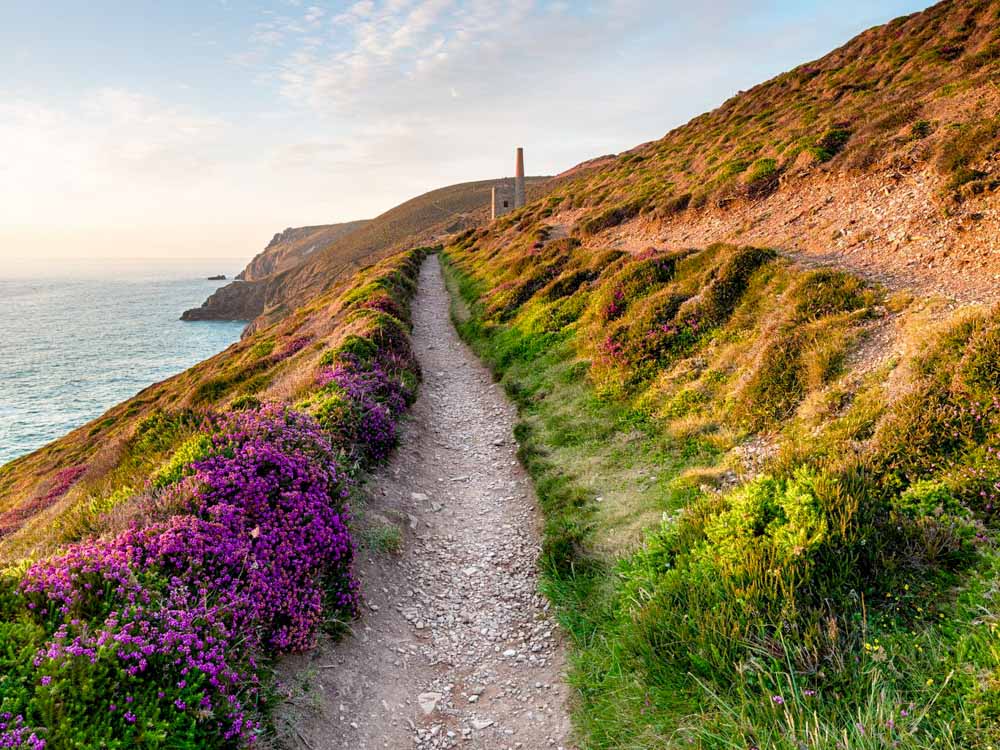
300	263
240	300
289	248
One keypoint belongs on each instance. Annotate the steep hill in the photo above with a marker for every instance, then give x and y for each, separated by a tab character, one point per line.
757	364
332	251
882	153
289	248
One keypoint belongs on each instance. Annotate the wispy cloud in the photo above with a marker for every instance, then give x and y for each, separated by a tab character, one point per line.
326	110
110	141
398	56
433	81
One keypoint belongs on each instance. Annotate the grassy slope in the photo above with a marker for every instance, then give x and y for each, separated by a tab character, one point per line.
919	89
747	588
769	493
417	221
123	447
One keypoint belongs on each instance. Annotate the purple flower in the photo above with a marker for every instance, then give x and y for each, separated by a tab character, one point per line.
257	557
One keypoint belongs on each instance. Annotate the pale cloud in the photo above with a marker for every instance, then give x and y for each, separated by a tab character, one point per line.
106	151
390	59
440	84
314	15
340	110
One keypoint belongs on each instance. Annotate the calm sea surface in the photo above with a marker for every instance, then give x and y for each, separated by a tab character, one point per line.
72	347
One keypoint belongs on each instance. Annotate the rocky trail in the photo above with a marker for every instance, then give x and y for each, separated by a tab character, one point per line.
456	648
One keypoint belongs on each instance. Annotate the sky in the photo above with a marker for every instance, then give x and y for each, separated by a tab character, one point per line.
191	129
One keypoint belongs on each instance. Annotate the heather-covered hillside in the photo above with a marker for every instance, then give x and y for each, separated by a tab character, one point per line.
164	553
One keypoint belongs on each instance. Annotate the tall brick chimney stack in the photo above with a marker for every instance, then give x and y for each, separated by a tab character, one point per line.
519	192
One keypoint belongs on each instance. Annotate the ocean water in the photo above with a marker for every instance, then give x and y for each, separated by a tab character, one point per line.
74	342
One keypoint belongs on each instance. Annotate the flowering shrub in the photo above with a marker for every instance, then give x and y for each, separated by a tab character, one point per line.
153	637
360	405
13	733
292	347
845	597
13	519
246	571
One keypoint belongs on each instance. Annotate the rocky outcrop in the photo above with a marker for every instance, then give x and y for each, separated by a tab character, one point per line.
289	248
245	298
240	300
300	263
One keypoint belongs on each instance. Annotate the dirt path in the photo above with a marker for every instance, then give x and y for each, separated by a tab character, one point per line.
457	648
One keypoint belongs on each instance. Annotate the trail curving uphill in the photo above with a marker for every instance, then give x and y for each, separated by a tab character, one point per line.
457	648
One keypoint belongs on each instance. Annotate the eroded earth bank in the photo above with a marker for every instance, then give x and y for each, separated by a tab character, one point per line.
457	648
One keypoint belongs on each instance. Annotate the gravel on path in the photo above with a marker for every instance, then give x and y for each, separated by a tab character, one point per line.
457	647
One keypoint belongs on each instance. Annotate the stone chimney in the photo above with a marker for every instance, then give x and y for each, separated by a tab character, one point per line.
519	192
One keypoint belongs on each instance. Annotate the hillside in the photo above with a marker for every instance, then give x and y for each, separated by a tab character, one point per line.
882	154
264	298
756	365
292	246
156	557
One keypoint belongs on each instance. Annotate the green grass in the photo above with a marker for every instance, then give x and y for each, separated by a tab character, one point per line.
845	597
382	538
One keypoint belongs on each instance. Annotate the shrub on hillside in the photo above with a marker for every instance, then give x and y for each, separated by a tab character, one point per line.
960	155
761	178
674	205
831	143
612	217
153	636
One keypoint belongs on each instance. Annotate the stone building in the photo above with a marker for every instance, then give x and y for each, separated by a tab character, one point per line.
509	194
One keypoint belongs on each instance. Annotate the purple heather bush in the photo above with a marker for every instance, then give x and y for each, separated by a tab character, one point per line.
360	405
153	637
13	733
247	571
292	347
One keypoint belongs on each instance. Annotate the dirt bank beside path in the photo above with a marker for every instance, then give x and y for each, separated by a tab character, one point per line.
457	648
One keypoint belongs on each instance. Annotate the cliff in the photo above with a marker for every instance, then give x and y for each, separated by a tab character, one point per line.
289	248
300	263
238	300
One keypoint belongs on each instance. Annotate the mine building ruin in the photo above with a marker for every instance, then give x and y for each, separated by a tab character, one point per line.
509	194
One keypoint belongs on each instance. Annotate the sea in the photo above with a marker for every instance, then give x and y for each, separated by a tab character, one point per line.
76	340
